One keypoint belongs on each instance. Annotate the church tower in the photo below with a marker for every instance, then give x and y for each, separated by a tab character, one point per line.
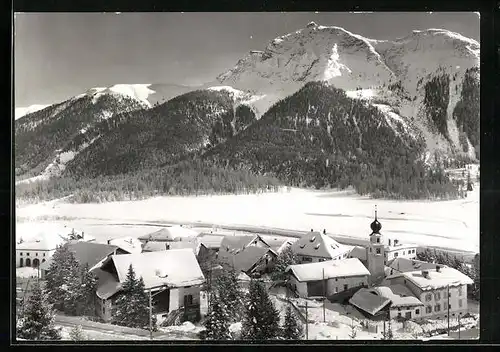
376	252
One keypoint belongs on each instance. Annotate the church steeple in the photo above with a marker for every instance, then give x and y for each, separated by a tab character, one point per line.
376	226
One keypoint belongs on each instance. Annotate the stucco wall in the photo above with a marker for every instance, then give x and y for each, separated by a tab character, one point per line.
32	254
336	285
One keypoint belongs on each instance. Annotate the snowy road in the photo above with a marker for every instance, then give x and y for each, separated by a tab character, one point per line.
101	331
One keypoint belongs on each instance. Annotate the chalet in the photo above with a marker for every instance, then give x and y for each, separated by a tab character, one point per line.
86	254
394	301
317	247
327	278
172	277
254	260
169	234
442	290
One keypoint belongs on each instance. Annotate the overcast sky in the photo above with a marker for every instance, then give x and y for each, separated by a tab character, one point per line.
59	55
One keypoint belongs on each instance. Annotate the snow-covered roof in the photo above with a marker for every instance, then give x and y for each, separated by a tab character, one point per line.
174	268
397	266
399	246
358	252
41	244
90	253
369	301
434	280
316	244
107	285
210	241
399	295
230	243
154	246
332	269
194	246
128	244
243	277
169	234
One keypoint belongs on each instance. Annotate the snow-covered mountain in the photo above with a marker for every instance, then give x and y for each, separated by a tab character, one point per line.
20	112
49	138
395	73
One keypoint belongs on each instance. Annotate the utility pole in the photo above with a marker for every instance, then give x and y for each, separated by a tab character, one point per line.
324	296
307	324
150	316
448	310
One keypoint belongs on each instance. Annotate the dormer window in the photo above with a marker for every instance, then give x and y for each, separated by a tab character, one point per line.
313	239
378	239
317	246
302	245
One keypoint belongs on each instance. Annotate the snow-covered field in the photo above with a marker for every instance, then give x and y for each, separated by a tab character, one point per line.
444	224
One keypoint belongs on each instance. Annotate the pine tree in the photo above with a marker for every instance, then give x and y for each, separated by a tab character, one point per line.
76	334
63	280
229	292
217	322
86	292
261	320
286	258
353	333
131	308
37	319
292	329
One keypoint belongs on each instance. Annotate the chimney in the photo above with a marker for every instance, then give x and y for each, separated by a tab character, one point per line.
425	274
312	230
438	268
324	231
83	235
109	241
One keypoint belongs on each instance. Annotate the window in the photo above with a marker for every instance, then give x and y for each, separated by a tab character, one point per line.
428	309
378	250
399	315
321	260
459	303
336	279
460	290
44	254
188	300
20	253
307	259
43	260
346	287
396	255
437	308
370	250
336	289
417	311
21	262
399	309
403	252
378	240
428	297
36	254
449	306
28	254
437	296
103	310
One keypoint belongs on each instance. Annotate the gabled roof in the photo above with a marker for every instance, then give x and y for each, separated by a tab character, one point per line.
316	244
248	257
169	234
401	265
331	269
434	280
399	295
128	244
107	285
90	253
368	301
172	268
